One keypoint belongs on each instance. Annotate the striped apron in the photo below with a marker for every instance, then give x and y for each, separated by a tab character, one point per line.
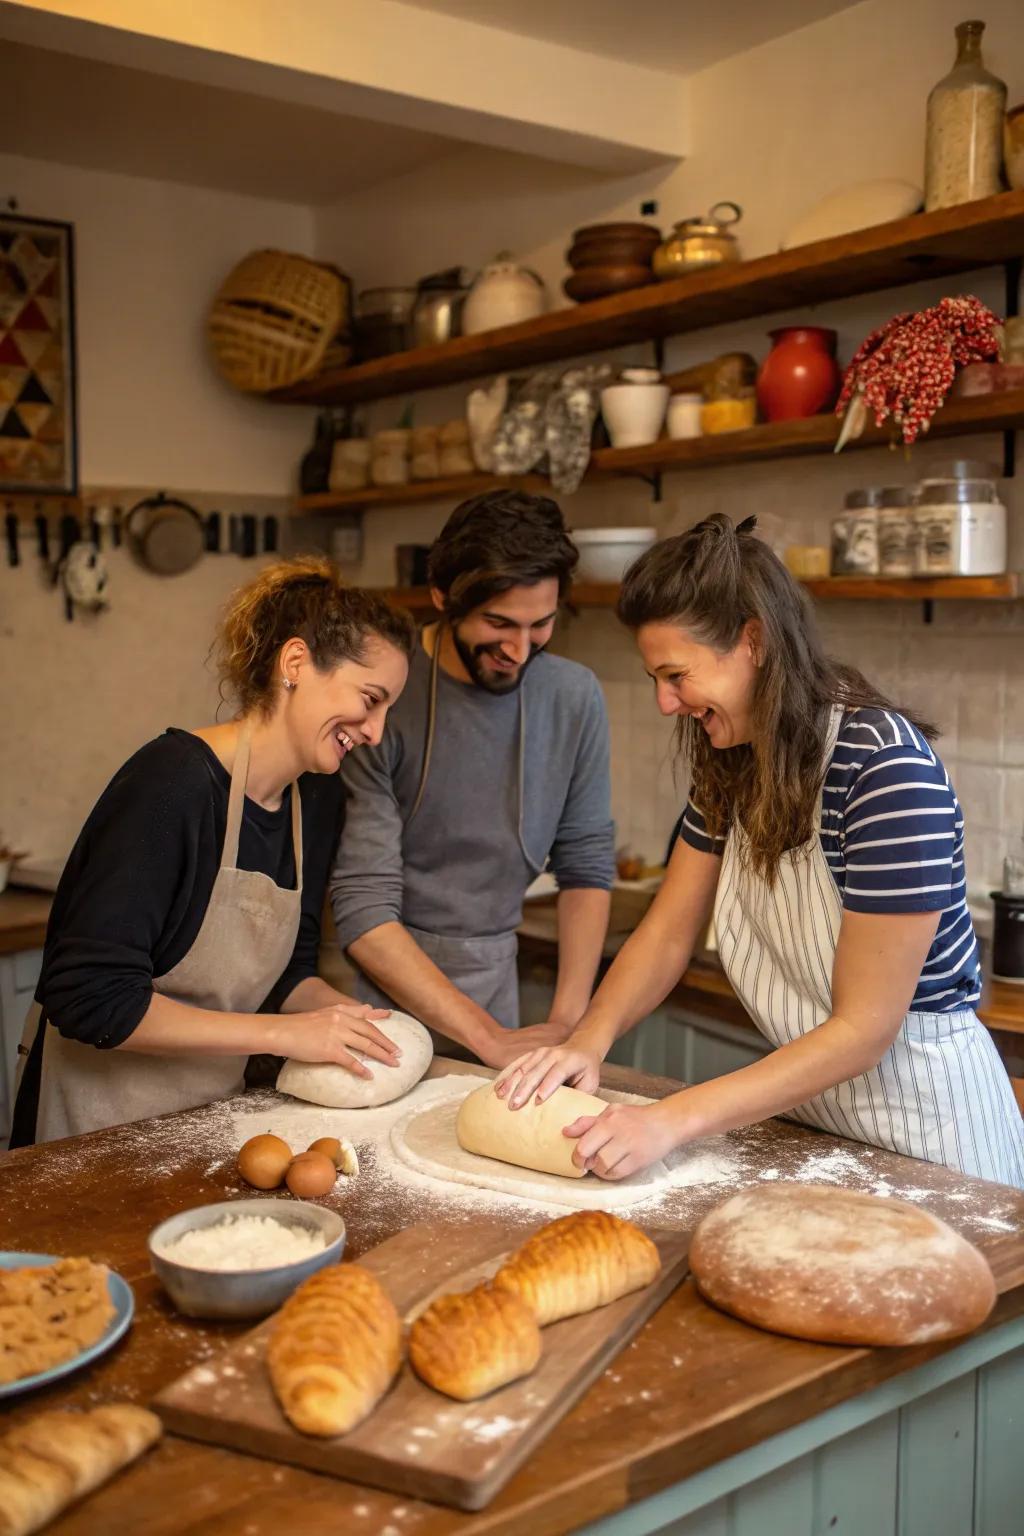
939	1093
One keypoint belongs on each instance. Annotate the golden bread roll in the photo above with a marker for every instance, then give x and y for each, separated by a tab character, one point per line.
335	1349
57	1457
840	1267
579	1262
467	1345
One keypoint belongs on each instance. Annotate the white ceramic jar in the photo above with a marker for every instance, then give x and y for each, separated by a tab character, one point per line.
684	416
504	294
634	413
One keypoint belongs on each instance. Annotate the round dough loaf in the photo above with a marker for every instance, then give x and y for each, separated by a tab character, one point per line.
840	1267
323	1082
530	1137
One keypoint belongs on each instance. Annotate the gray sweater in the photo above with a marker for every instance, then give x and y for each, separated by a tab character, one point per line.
461	866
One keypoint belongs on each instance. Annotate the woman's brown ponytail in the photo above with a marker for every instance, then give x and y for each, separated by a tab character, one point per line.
304	598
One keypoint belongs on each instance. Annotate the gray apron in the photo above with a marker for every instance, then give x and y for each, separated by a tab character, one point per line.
484	968
245	942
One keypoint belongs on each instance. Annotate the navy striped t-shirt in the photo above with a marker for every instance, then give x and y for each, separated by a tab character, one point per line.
892	832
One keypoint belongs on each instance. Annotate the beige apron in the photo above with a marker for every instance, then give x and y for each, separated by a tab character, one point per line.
244	944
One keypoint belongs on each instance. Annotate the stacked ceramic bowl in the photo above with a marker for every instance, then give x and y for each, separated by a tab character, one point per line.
609	258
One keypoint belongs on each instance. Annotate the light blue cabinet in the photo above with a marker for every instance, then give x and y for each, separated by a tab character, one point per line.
934	1452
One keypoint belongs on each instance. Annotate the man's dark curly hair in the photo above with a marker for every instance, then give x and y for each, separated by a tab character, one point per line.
498	540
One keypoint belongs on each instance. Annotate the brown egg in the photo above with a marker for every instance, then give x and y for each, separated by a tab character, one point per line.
330	1146
310	1174
263	1161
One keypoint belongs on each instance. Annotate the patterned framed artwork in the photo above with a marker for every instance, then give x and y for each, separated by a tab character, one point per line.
38	410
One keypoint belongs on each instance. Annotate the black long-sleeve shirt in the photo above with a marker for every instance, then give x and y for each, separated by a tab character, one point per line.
135	890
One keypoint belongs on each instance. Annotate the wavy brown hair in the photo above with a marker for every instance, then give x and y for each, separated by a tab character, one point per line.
496	541
307	599
711	581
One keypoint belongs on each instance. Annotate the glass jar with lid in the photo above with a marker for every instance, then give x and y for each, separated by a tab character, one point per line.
896	553
959	527
855	534
964	144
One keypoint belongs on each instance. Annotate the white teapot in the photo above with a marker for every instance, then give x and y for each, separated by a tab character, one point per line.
503	294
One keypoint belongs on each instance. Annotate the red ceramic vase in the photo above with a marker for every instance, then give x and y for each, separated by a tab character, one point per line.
800	375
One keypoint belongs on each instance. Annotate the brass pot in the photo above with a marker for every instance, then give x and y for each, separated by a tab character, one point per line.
696	244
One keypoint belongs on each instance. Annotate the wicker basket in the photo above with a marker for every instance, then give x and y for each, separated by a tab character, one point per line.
274	318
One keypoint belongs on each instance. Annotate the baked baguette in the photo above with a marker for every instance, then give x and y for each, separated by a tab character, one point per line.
579	1262
469	1344
59	1456
335	1349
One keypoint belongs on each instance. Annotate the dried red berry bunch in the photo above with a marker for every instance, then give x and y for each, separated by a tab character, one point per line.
905	368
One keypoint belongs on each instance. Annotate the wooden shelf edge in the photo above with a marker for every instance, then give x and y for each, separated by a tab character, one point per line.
943	243
770	440
917	589
872	588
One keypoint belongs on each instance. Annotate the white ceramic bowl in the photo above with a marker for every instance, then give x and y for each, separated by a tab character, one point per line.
634	413
241	1292
607	553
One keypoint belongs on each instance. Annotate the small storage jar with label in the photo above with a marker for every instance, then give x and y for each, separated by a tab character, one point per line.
959	528
855	534
896	556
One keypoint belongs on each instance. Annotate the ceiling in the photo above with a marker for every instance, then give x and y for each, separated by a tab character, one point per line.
679	36
54	106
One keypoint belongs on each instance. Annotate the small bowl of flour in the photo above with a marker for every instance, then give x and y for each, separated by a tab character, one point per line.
242	1258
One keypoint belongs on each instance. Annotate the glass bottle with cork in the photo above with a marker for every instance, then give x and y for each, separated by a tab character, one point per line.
964	146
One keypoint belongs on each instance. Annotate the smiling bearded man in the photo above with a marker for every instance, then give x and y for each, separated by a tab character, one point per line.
494	763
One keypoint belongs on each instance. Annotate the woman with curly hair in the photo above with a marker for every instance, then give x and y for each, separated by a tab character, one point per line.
185	929
825	836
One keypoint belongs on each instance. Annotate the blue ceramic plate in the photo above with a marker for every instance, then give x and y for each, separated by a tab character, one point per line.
124	1307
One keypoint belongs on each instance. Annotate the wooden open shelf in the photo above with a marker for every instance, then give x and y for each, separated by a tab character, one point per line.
605	594
926	245
917	589
773	440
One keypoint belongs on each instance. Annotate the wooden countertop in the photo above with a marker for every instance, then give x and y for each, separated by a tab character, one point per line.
694	1388
705	983
23	919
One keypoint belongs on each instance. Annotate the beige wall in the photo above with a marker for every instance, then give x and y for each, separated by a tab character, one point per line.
149	256
78	698
775	129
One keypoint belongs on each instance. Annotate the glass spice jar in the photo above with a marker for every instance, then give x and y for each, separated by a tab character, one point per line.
964	143
896	553
855	534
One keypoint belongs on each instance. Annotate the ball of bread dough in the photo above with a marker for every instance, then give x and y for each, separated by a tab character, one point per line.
323	1082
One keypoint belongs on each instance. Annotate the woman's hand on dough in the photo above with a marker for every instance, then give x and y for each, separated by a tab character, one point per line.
332	1034
622	1140
541	1072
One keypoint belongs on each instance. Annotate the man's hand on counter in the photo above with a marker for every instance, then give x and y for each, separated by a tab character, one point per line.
504	1045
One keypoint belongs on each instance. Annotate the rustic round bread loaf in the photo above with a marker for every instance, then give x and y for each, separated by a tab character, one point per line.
840	1267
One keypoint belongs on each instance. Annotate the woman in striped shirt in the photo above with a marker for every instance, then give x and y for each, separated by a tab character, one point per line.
824	833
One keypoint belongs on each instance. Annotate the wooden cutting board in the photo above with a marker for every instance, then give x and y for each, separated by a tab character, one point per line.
418	1442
